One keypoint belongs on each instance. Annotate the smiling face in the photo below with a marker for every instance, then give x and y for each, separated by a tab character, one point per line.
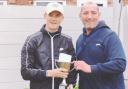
90	15
53	20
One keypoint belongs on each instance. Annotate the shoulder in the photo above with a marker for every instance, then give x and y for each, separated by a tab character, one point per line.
80	37
33	38
105	31
35	35
65	36
112	39
109	33
102	33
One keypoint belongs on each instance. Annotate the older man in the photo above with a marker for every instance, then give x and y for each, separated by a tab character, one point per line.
101	59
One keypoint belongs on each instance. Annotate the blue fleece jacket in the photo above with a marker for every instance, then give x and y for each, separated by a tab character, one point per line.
102	50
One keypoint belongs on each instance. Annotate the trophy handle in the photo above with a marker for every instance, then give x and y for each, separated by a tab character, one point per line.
72	69
56	63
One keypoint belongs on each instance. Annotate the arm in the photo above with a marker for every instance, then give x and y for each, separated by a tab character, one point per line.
73	73
28	71
115	62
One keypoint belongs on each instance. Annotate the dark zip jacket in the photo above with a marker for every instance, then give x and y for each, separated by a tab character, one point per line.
36	57
102	50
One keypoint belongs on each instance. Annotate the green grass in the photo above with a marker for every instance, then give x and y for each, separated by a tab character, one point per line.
76	86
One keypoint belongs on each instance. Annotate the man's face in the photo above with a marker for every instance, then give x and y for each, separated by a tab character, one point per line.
89	15
53	20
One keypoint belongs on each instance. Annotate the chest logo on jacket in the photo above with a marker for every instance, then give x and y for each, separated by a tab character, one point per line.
98	45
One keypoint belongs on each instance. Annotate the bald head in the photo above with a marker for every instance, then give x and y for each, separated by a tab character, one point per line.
89	4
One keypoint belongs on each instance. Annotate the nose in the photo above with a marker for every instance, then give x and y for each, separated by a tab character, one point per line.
53	18
89	16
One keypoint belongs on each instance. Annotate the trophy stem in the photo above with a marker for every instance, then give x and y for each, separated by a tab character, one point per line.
64	82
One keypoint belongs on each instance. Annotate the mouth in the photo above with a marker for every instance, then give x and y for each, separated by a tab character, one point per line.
90	21
53	23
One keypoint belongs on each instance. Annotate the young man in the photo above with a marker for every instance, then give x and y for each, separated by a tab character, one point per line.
101	59
42	48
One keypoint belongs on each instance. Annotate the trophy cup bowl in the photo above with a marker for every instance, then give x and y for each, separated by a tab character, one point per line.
65	65
64	61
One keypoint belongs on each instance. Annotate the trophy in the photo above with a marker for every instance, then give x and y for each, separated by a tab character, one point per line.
64	62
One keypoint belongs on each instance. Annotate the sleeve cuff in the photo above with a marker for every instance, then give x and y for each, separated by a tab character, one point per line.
94	68
46	73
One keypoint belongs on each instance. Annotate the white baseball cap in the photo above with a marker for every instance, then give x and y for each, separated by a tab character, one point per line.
54	6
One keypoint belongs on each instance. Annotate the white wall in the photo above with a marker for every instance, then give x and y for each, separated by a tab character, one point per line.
16	23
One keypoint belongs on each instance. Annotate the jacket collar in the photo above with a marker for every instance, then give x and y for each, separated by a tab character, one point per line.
43	30
101	24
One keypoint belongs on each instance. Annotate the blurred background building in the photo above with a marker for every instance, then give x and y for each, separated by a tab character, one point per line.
68	2
20	2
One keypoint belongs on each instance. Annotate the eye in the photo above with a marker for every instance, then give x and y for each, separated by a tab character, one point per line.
84	13
58	14
94	12
55	14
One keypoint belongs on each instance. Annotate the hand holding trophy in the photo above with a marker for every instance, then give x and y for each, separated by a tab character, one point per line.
64	62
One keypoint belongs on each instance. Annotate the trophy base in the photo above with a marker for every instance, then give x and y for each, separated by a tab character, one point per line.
62	87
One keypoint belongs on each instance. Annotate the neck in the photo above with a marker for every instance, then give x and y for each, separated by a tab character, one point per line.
88	31
51	30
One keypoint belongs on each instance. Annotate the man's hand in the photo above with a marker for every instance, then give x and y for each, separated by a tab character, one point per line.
70	86
60	73
83	66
